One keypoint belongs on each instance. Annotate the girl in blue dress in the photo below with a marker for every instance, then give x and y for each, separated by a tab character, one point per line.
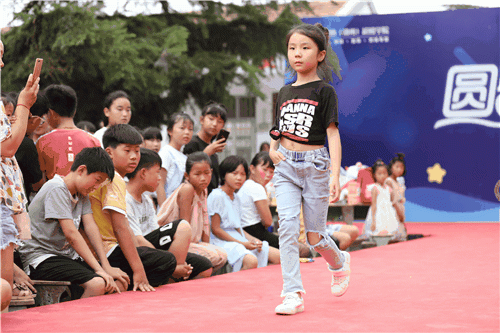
244	251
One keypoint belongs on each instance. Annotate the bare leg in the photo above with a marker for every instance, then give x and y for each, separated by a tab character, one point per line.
6	294
343	238
122	287
351	230
94	287
304	250
274	256
249	262
180	244
204	274
7	271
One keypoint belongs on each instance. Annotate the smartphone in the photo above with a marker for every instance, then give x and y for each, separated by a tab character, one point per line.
38	68
222	134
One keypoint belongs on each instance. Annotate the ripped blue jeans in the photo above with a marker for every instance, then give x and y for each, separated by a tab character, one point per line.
303	180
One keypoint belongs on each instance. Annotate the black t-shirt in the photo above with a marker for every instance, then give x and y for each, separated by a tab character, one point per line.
303	113
197	144
27	158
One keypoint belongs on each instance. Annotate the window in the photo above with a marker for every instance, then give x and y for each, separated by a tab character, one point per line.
230	103
240	107
247	107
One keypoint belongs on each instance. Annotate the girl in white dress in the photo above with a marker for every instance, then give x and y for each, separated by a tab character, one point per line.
396	180
381	218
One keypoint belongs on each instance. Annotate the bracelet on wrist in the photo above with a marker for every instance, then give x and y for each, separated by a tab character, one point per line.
19	104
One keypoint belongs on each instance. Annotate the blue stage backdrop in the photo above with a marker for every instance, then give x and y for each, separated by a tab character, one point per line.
426	85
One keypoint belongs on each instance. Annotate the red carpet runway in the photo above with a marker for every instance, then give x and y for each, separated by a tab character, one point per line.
447	282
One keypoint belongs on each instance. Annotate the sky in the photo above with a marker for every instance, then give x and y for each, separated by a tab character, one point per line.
8	7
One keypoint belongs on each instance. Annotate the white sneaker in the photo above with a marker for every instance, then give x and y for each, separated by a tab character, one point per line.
341	276
292	304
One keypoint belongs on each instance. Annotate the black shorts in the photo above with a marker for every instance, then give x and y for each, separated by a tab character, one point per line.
260	232
59	268
162	238
158	264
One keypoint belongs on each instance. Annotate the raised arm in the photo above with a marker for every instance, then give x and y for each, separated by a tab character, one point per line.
26	99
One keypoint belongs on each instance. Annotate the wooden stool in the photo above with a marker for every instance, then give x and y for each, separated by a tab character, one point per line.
21	304
51	292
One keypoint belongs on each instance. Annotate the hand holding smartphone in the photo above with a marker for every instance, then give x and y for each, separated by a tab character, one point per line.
38	68
222	134
27	96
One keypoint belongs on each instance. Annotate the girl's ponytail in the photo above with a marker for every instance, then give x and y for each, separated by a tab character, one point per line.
331	61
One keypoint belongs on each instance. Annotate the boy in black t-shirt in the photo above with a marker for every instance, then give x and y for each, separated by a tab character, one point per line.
212	120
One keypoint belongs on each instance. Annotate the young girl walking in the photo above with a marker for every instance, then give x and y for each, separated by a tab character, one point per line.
306	115
189	202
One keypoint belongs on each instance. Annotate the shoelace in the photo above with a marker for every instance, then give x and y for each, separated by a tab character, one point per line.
290	299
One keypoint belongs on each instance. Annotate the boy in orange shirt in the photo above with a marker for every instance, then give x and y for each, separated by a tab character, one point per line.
146	267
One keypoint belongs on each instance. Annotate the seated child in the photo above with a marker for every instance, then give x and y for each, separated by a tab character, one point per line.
152	138
180	131
175	235
224	208
381	218
57	149
397	171
57	250
256	215
145	266
189	202
117	109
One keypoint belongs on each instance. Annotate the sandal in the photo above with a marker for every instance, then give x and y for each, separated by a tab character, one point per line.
21	292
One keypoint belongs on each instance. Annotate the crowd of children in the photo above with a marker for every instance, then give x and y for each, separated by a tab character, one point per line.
112	210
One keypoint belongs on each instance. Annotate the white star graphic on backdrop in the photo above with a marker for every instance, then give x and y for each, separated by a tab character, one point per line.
428	37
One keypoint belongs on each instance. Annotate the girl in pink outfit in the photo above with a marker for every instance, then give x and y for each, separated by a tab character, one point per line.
193	196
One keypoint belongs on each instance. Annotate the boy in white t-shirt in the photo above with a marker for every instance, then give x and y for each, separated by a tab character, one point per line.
174	236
